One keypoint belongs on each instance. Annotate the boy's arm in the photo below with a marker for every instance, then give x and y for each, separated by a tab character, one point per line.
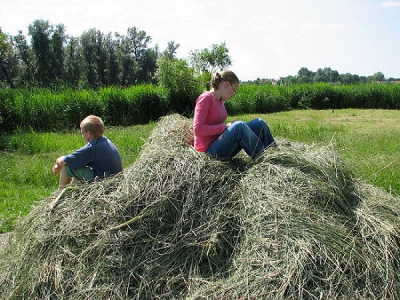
60	163
81	157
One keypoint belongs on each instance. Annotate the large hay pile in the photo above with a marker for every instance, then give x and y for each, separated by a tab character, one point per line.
293	224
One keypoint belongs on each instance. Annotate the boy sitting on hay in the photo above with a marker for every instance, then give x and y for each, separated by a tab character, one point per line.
99	158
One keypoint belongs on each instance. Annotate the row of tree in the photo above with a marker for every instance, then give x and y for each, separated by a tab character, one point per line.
327	75
332	76
54	59
94	59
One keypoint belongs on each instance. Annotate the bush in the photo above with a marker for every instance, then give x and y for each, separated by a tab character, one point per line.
252	99
146	104
47	110
133	105
181	86
9	116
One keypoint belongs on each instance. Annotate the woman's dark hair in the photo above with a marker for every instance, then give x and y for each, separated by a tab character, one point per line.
225	75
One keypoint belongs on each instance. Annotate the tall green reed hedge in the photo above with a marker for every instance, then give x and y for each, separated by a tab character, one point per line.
258	99
46	110
268	98
326	96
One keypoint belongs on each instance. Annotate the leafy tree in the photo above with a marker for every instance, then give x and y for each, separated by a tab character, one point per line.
304	79
170	52
347	78
305	75
363	79
148	65
319	76
378	76
334	76
210	60
40	31
6	59
92	43
136	42
132	52
305	72
180	82
57	42
290	80
112	69
356	78
128	69
73	65
25	55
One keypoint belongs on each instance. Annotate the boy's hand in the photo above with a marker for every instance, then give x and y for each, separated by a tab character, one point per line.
56	170
60	163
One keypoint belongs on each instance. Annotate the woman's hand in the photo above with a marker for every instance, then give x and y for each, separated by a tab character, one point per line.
230	123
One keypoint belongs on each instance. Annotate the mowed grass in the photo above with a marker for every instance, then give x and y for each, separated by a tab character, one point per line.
368	140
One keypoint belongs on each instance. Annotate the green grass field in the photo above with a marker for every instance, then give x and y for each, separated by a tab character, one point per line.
367	139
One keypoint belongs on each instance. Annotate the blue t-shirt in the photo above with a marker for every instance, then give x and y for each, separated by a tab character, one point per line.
100	154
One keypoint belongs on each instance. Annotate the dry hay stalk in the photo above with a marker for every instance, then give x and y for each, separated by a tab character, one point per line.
177	224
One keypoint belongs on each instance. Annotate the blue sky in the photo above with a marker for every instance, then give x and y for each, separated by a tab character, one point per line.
266	39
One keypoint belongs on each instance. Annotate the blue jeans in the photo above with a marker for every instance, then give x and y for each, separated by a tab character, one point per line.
253	137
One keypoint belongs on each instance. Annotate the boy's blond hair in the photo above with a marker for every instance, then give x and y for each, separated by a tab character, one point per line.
93	124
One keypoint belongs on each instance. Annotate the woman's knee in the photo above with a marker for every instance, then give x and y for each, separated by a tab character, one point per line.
238	124
262	122
258	124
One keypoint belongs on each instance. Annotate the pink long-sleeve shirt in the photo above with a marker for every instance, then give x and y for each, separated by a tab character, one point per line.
209	120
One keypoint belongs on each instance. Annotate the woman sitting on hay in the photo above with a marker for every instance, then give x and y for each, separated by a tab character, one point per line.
213	136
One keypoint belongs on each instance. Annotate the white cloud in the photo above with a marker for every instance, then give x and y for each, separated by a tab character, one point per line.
390	4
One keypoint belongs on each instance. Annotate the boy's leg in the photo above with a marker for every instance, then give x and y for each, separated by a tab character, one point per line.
76	175
64	179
